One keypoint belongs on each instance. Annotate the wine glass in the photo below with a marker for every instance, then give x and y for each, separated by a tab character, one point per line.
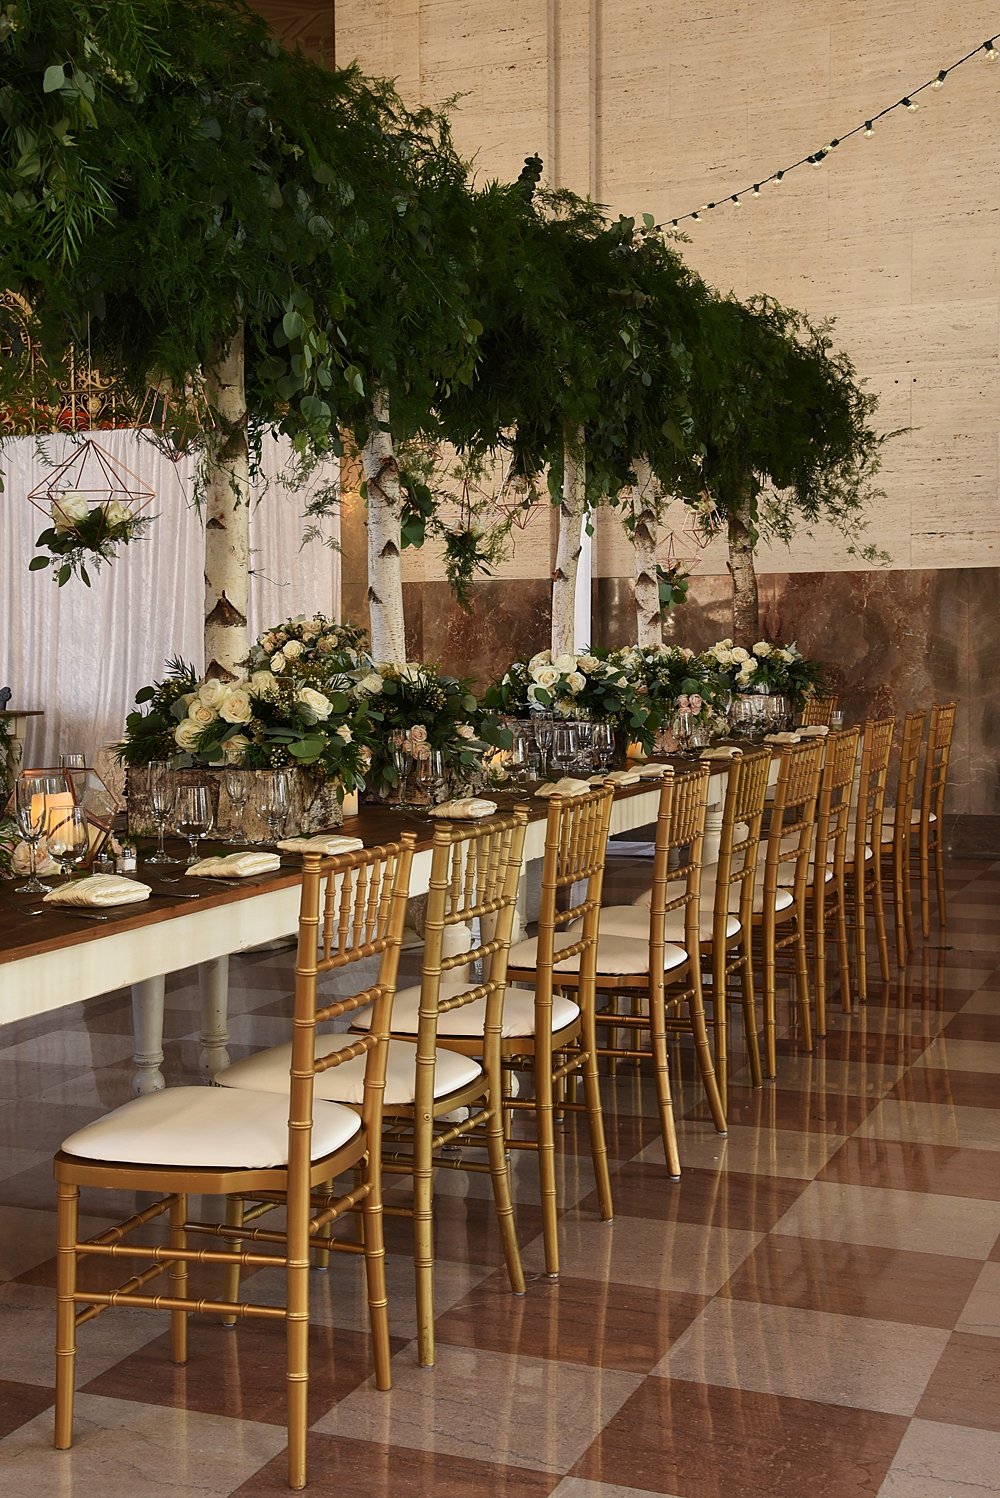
564	746
275	807
584	745
238	791
544	728
162	791
29	810
603	741
76	766
69	840
193	815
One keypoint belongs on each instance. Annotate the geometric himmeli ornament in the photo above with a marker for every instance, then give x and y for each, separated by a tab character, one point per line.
92	472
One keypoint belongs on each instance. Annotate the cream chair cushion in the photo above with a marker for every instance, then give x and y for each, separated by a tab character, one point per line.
708	875
191	1127
633	920
616	955
518	1012
267	1071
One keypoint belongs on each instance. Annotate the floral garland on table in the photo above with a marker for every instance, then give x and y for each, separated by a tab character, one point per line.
598	685
780	669
260	722
82	532
308	646
419	709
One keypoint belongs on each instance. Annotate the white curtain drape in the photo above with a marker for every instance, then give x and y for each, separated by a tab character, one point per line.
80	654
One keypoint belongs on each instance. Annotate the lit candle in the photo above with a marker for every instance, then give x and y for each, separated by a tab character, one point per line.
51	808
350	803
636	751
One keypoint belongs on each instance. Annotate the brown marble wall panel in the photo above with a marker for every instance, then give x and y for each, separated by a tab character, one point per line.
509	621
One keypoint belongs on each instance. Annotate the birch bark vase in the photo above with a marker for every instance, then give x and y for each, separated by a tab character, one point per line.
227	514
385	511
572	507
648	616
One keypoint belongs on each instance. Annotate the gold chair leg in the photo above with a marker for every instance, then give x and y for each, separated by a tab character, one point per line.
925	884
703	1051
595	1124
502	1200
231	1272
770	1000
819	926
297	1341
881	935
939	874
68	1207
750	1015
544	1124
423	1240
373	1225
178	1276
861	936
720	1017
661	1073
911	939
802	984
843	951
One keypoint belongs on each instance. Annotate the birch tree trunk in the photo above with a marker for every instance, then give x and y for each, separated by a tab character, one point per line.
648	615
385	510
227	513
572	507
746	607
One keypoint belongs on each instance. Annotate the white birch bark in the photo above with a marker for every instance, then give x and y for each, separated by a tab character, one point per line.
385	509
746	606
227	514
572	506
645	525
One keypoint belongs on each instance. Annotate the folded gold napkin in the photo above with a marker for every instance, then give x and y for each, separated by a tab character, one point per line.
326	843
652	771
565	787
99	889
464	809
235	866
781	738
721	751
813	731
623	777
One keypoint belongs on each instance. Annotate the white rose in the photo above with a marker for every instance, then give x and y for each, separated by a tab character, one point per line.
370	684
591	663
293	650
545	676
115	513
267	642
213	693
343	732
187	734
418	734
576	682
564	663
317	706
762	649
238	707
739	655
277	663
69	509
233	748
199	712
784	655
465	730
263	684
541	658
723	656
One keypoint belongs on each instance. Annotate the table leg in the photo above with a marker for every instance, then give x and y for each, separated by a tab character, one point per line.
147	1031
214	979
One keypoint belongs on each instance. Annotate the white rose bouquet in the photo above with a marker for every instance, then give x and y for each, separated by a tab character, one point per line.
85	530
420	709
779	669
309	647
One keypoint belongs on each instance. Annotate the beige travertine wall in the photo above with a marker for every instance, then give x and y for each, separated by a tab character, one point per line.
661	106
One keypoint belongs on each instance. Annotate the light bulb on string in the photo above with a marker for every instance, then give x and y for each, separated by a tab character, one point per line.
910	104
939	80
696	215
779	177
735	199
869	129
756	189
990	50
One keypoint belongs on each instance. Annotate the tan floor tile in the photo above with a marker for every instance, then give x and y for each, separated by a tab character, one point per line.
28	1237
819	1073
850	1360
582	1487
943	1461
981	1315
637	1251
124	1448
963	1387
30	1356
759	1151
934	1123
525	1412
907	1220
987	1001
963	1055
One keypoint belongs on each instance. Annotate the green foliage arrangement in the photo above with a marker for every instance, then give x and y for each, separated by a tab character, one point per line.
82	533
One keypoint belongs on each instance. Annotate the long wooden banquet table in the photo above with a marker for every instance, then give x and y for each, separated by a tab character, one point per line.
54	959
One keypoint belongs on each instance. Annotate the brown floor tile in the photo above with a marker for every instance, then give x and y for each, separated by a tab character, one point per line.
576	1320
973	1027
722	1199
964	1388
465	1228
700	1439
969	1089
241	1373
942	1169
338	1464
787	1108
20	1403
854	1279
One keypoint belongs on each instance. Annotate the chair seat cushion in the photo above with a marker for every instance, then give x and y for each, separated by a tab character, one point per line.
211	1127
617	956
470	1020
267	1071
633	921
783	898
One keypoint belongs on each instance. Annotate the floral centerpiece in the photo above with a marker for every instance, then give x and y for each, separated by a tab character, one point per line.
83	532
768	668
310	647
597	685
418	709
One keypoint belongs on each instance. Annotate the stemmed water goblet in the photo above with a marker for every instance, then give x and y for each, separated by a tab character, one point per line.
584	745
603	741
193	815
69	840
162	791
275	807
544	729
30	807
564	746
75	766
238	790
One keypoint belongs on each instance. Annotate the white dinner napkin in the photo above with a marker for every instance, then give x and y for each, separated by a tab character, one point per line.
99	889
235	866
326	843
464	809
622	777
781	738
721	751
565	787
652	770
813	731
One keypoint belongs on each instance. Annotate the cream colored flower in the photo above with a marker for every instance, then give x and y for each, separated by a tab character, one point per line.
233	748
465	730
418	734
238	706
263	684
541	658
739	655
293	650
187	734
588	663
199	712
115	513
69	509
343	732
545	676
278	663
762	649
213	693
371	684
564	663
576	681
316	705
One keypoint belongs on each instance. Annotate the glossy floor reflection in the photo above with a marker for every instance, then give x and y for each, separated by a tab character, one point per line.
814	1308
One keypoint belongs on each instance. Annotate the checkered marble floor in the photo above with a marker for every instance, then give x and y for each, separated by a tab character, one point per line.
813	1309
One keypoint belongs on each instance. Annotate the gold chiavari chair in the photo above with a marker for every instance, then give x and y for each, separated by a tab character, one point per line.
819	710
863	867
826	893
656	965
897	829
435	1097
930	825
221	1141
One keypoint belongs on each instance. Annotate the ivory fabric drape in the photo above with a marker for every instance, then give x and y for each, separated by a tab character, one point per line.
80	654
